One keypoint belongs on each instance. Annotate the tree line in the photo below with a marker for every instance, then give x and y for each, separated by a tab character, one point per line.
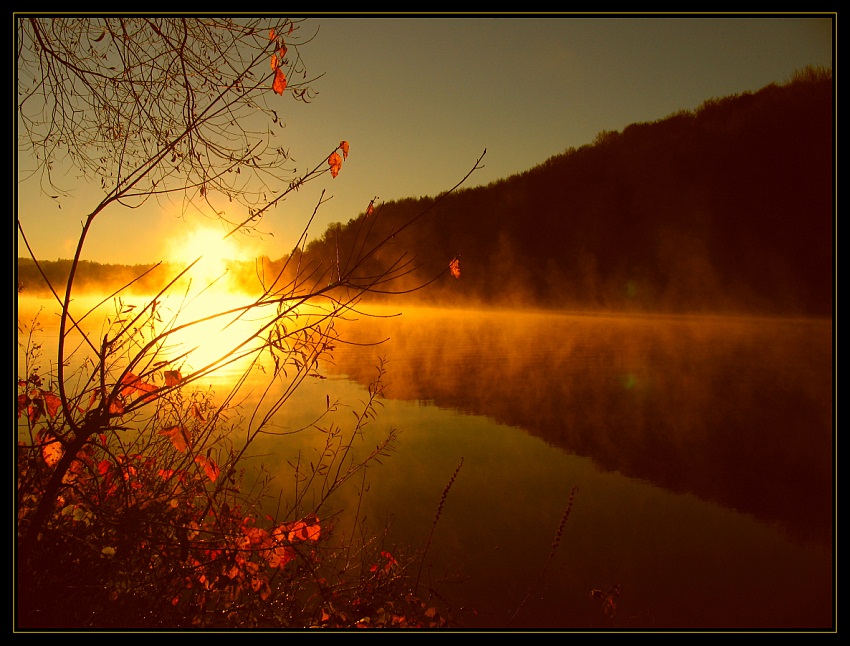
728	207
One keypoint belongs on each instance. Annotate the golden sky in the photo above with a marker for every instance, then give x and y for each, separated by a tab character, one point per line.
420	98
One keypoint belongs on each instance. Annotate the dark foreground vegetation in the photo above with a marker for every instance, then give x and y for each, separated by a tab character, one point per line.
725	208
135	505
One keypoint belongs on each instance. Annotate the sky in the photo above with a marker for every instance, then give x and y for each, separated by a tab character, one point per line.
419	99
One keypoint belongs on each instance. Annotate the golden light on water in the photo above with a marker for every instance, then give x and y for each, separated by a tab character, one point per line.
210	337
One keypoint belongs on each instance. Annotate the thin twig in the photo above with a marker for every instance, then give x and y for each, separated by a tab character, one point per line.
555	543
434	524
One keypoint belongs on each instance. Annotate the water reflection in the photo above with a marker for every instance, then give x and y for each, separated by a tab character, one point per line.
669	427
734	411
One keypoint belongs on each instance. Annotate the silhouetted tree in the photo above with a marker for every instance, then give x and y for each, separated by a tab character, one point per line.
130	511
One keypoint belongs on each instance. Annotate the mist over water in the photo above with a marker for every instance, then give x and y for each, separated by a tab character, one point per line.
735	410
701	447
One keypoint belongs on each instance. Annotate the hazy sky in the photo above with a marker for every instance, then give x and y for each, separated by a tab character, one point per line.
419	99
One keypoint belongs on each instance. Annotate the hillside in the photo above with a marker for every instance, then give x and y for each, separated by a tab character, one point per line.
727	208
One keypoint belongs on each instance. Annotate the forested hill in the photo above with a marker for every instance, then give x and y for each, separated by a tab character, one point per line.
725	208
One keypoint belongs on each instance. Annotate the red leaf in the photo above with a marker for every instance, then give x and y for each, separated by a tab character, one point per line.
344	146
279	81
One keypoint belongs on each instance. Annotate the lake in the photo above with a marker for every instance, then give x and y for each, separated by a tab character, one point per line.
699	450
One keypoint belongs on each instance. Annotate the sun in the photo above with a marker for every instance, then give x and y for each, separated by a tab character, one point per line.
201	241
209	247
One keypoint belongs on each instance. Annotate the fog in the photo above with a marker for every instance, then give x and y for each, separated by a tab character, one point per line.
734	410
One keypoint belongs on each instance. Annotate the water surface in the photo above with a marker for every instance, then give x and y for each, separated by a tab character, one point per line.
700	450
701	447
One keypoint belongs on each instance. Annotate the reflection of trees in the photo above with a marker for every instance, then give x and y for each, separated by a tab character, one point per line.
734	411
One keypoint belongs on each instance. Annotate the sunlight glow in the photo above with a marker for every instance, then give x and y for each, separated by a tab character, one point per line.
206	243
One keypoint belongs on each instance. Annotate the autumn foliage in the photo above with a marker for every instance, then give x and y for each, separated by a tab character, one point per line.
335	161
278	60
151	528
134	507
454	267
145	531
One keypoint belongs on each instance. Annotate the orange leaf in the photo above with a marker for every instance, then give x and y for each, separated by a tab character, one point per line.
23	402
27	403
265	591
279	81
196	413
274	62
83	408
178	436
210	467
280	556
610	606
133	383
305	530
128	380
51	451
344	146
298	531
172	377
454	267
335	162
52	402
272	35
257	535
313	530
